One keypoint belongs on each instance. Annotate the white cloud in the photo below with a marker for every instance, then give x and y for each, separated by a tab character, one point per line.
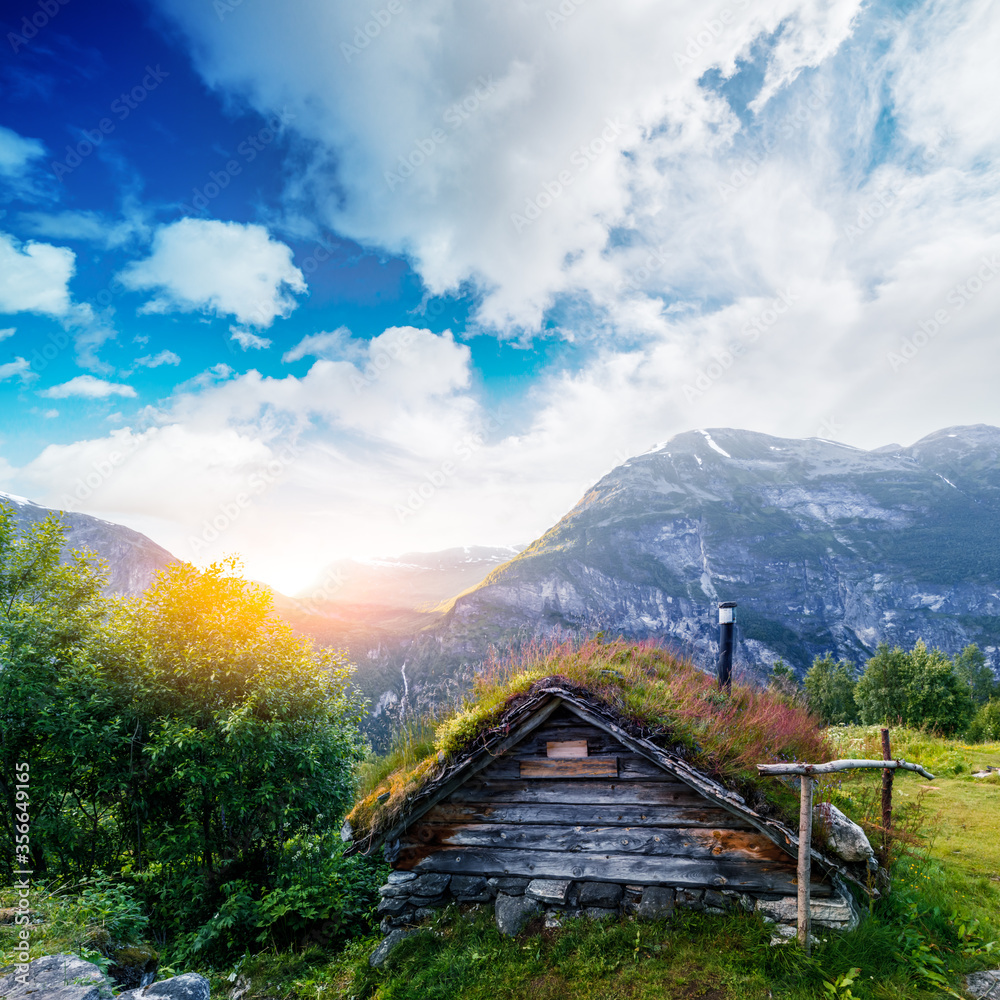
165	357
335	344
249	340
17	154
8	332
18	368
456	121
34	277
225	268
87	387
92	227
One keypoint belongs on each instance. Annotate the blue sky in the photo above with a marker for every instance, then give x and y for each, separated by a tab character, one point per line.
315	280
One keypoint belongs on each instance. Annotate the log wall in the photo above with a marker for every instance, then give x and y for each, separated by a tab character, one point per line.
611	816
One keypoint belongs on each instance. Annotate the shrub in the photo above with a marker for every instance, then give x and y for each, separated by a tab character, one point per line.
830	690
985	727
920	688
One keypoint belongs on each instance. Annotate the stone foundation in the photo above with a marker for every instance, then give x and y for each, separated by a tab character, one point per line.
408	898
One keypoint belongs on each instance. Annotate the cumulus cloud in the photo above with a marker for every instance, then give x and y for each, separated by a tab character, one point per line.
34	277
224	268
8	332
87	387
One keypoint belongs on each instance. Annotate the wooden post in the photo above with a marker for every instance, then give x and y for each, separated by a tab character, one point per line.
886	797
805	858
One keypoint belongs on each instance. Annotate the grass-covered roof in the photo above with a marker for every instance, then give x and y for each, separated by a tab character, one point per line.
650	692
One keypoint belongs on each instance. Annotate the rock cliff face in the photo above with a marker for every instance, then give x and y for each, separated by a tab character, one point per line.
824	546
132	558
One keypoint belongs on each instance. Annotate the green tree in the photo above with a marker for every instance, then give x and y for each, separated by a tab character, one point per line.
50	613
829	688
973	670
985	727
919	688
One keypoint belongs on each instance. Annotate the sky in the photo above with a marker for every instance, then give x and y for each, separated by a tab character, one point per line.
315	280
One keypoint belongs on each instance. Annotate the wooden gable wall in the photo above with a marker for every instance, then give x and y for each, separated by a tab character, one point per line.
612	816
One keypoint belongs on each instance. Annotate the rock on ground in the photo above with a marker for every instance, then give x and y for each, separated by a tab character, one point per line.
843	836
190	986
56	977
984	985
513	912
382	952
66	977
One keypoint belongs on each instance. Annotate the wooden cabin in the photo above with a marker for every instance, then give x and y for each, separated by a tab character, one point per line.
564	810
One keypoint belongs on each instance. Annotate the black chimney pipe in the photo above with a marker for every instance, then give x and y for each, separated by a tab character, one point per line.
727	620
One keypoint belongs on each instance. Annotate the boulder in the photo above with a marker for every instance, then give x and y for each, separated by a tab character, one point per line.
513	912
984	985
190	986
468	885
509	885
603	894
657	903
548	890
393	938
55	977
843	836
431	884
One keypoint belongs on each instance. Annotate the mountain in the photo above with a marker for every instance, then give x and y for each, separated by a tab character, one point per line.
823	546
133	559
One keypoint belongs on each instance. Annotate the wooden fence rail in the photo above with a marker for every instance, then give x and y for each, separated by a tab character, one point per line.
807	772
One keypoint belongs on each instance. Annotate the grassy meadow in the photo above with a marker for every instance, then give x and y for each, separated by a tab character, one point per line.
938	923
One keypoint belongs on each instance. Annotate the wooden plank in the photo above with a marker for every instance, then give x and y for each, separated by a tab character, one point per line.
635	869
565	749
702	816
712	790
585	767
461	774
582	791
598	741
630	767
741	845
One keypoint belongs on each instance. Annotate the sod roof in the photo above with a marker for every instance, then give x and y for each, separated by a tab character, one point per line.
640	688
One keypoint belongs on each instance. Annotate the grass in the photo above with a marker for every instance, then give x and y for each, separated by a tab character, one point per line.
652	692
943	911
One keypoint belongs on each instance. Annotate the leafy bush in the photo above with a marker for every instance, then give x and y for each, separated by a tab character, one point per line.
180	741
318	897
830	690
919	688
986	724
972	670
